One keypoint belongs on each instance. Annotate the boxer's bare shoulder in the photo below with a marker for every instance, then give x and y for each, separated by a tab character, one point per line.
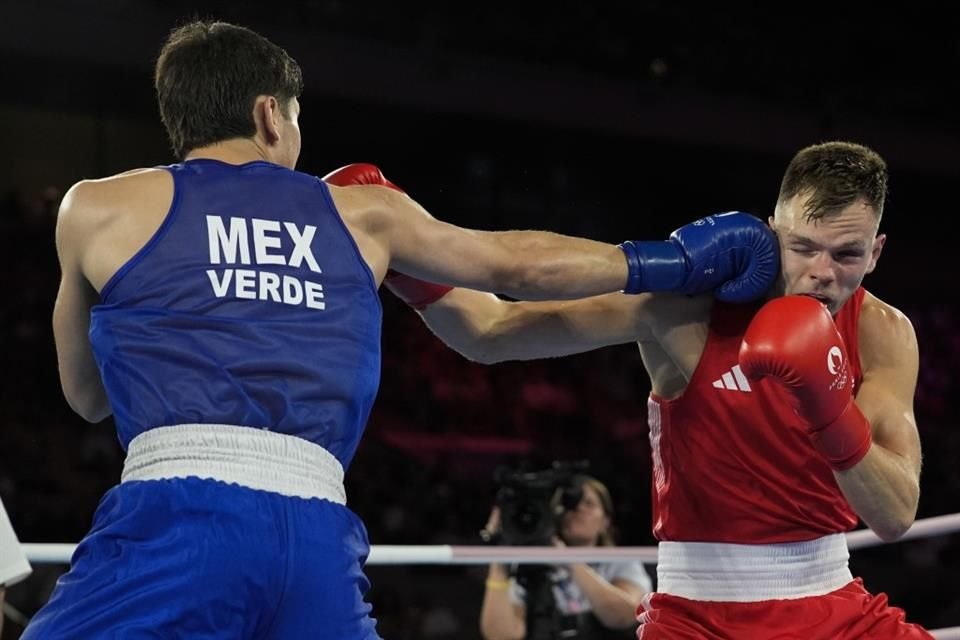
105	221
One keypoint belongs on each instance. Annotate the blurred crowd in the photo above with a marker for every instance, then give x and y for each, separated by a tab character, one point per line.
737	49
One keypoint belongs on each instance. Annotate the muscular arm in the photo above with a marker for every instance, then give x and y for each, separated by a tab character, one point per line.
529	265
884	487
79	376
486	329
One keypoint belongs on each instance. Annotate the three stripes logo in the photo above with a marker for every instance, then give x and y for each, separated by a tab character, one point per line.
733	380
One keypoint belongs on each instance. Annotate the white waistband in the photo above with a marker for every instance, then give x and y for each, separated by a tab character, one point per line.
246	456
722	572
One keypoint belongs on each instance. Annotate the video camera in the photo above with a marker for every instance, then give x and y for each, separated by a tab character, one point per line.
532	503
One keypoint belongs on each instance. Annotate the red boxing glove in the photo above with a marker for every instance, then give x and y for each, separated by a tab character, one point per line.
416	293
419	294
794	339
358	173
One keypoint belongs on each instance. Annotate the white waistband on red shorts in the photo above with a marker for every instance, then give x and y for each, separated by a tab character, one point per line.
722	572
246	456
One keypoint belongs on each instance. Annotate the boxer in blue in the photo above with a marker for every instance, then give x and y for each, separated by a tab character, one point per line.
225	311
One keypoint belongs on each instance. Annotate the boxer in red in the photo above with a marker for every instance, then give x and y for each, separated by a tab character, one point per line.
775	424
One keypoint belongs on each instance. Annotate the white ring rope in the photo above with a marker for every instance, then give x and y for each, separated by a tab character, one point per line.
59	553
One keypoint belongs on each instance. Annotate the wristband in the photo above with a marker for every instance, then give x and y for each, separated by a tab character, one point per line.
498	585
845	441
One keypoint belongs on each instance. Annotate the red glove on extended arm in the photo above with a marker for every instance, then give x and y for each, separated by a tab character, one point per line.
794	339
416	293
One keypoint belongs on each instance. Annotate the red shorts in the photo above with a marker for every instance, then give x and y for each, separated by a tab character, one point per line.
845	614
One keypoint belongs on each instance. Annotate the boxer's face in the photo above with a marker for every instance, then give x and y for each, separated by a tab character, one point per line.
826	258
581	526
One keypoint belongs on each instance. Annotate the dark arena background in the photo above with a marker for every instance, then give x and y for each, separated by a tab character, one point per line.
610	121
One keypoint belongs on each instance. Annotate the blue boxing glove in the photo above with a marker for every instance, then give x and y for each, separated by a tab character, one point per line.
734	255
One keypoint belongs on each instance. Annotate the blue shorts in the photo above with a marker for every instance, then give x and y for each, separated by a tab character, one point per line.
197	559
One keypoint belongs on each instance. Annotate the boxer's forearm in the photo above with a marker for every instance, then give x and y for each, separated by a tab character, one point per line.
883	490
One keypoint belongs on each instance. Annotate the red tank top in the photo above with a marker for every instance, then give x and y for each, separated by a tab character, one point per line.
732	462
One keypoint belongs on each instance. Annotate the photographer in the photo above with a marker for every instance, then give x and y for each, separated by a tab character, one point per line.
589	601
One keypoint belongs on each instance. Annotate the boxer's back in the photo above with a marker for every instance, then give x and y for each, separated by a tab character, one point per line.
248	304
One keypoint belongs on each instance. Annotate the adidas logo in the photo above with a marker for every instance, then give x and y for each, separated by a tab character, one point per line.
733	380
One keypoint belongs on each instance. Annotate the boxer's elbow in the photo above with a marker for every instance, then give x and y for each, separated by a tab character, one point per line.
92	412
893	531
88	400
474	324
896	523
904	514
487	351
894	527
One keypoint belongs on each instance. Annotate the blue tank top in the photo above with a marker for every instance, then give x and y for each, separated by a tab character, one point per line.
249	306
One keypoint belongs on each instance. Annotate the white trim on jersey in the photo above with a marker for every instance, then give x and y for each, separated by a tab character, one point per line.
653	420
